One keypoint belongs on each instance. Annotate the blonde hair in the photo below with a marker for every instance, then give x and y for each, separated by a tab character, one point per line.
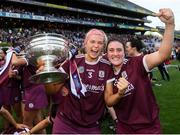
96	32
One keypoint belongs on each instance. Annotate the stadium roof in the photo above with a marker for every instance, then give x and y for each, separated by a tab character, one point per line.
122	4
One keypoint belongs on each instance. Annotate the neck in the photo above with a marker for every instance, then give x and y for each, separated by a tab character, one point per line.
117	68
90	59
137	54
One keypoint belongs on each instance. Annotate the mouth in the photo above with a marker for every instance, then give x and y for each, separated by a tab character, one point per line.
95	52
115	58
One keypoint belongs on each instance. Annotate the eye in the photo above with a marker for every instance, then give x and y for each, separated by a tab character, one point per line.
92	41
119	50
100	43
111	50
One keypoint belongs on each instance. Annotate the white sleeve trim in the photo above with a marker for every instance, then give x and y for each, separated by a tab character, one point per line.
110	80
145	64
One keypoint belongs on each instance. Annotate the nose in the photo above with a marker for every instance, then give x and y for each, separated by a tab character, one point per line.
96	45
116	52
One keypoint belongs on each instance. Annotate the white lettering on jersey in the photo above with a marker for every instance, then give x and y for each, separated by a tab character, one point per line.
89	74
94	88
124	74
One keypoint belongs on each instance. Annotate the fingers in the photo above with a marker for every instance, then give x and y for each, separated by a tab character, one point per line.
40	63
122	85
12	73
166	15
161	12
41	68
21	126
157	14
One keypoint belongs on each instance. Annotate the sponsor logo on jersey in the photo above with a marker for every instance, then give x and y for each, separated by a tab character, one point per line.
94	88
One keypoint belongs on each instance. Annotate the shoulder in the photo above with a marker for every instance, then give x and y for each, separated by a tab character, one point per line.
105	61
135	59
135	62
80	56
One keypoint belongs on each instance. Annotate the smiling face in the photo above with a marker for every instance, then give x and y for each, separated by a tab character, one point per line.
115	53
94	47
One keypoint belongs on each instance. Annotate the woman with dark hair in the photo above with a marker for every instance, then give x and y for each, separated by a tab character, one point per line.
136	107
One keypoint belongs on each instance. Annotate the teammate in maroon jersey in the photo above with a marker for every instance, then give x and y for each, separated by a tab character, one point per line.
8	60
34	98
136	107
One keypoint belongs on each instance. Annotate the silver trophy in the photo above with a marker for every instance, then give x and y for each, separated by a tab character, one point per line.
47	48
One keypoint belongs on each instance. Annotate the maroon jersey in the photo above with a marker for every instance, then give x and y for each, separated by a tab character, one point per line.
4	90
27	72
89	108
11	91
8	86
4	76
138	105
34	96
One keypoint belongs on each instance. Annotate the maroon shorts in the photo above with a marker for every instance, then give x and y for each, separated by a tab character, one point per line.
35	98
6	97
154	128
64	126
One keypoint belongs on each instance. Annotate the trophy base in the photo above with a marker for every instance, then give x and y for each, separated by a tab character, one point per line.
48	77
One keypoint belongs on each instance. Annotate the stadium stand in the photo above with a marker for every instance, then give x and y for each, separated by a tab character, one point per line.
24	18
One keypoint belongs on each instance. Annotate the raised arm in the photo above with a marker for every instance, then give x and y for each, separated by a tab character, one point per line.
154	59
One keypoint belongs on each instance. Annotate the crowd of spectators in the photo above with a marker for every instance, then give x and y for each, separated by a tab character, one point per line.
13	35
51	14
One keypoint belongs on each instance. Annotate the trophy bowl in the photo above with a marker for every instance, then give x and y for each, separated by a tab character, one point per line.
47	48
